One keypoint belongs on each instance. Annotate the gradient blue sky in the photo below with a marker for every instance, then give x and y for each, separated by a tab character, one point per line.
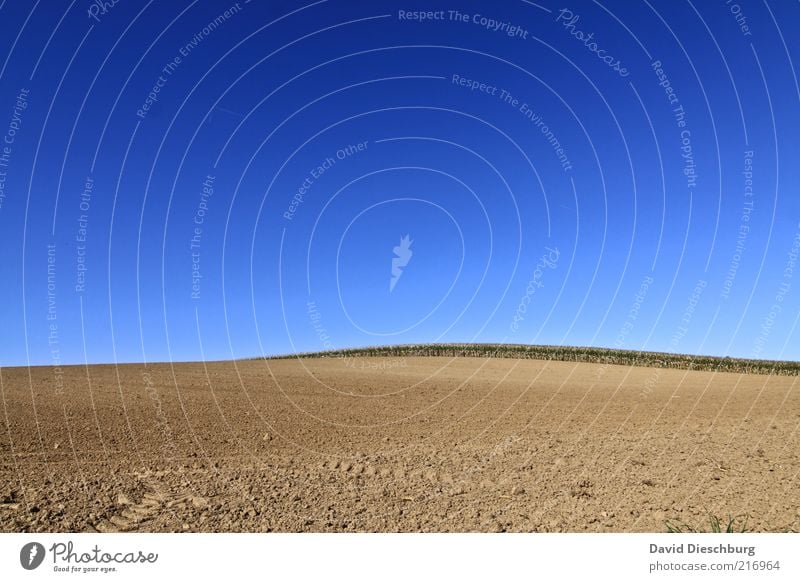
645	257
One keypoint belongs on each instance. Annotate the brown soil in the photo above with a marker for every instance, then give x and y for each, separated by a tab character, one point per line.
379	444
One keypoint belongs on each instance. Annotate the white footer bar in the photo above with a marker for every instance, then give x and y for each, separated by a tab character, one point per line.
356	557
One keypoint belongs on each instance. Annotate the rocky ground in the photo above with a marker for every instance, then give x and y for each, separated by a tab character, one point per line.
381	444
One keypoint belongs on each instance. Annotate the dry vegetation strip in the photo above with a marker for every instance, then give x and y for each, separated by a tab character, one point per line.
569	354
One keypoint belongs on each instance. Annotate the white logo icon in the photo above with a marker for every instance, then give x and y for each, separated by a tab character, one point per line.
402	256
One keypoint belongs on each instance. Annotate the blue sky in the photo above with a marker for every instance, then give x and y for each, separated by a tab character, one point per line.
617	174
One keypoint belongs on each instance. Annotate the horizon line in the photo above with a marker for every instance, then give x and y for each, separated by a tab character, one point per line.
448	345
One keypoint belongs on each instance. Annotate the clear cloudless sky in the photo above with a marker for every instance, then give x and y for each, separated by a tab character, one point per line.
613	173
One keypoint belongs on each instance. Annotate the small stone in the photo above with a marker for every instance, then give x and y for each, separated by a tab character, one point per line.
123	499
199	502
517	490
267	437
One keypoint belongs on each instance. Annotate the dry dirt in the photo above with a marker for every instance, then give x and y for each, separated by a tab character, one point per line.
374	444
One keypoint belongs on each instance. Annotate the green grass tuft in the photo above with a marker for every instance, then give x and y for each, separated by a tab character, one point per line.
734	524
